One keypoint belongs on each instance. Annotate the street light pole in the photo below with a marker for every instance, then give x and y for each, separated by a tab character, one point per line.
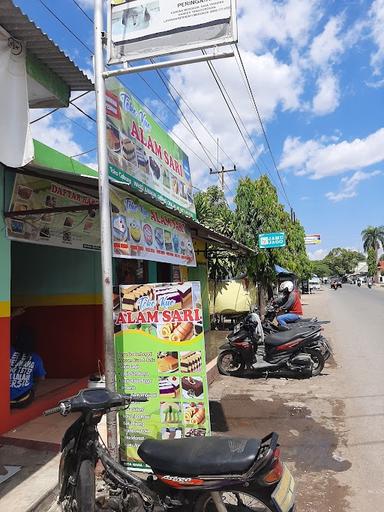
105	222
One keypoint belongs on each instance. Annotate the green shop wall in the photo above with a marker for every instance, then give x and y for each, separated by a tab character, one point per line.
61	289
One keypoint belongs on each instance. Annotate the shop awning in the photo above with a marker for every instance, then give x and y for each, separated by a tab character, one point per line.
52	164
49	69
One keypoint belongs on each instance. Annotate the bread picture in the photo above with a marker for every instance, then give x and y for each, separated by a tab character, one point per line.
167	362
194	414
176	332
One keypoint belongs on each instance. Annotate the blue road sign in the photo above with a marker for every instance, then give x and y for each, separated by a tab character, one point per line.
271	240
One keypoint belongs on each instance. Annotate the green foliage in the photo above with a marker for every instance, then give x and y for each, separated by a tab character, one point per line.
321	269
372	262
258	211
342	261
213	211
373	238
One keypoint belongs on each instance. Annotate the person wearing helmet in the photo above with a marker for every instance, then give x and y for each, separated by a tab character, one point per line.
290	304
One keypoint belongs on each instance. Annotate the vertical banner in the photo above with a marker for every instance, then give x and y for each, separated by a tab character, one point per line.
160	353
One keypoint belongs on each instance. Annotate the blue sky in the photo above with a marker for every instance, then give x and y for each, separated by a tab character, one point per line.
317	71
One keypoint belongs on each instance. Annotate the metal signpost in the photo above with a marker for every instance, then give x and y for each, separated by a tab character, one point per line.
139	31
272	240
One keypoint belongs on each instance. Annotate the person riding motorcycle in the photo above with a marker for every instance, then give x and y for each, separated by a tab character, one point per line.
290	303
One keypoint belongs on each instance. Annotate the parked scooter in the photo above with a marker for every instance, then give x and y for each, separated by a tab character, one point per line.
204	474
318	341
359	284
249	349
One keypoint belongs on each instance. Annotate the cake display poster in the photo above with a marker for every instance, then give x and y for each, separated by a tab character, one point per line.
141	231
142	155
73	229
160	353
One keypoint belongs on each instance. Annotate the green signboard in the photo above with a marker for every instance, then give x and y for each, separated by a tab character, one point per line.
160	353
142	155
272	240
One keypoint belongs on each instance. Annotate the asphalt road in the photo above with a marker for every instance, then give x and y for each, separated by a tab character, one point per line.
357	316
331	427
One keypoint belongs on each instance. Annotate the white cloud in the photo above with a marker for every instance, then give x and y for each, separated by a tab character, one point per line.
328	45
276	85
328	95
285	22
349	185
87	103
319	160
377	23
58	136
317	254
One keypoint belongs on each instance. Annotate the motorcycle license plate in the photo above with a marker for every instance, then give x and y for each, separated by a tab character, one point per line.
284	494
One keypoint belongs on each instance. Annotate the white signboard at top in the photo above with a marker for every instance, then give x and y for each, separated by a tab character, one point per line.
140	29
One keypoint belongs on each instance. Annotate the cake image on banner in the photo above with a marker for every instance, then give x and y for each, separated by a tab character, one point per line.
160	354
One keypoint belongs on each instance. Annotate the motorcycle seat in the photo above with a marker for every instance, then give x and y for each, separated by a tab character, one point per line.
279	338
200	456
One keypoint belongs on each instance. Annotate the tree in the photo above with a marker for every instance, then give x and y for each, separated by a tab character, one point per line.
213	211
320	268
258	211
372	262
373	238
342	261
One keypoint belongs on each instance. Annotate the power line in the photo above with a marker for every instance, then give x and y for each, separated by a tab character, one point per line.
58	108
222	88
82	10
66	26
262	124
169	83
84	153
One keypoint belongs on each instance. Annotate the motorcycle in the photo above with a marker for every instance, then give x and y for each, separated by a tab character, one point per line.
249	349
317	342
204	474
359	284
369	285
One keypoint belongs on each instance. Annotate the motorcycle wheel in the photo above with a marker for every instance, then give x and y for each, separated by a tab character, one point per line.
234	501
85	489
318	361
229	363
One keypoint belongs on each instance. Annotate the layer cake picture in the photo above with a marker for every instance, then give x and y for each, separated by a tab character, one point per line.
174	297
192	387
190	362
130	294
169	387
167	362
195	432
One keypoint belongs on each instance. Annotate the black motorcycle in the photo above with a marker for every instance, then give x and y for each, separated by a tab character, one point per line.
317	342
249	350
189	475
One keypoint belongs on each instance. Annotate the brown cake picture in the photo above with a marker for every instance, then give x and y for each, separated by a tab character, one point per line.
167	362
192	387
177	331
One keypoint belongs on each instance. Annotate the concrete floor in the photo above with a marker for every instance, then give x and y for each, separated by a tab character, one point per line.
331	426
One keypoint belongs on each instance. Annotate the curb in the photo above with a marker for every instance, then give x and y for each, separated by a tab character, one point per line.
212	371
47	502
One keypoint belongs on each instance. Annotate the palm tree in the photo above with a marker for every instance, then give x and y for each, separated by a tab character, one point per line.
373	238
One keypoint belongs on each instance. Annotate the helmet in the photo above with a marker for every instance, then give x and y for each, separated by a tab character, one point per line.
286	285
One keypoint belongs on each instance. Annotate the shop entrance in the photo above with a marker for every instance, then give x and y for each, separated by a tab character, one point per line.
59	291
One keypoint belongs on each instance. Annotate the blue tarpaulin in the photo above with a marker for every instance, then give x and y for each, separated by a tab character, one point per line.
281	270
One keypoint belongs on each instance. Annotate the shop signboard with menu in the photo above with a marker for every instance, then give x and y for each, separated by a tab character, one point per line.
140	231
72	229
142	155
160	353
140	29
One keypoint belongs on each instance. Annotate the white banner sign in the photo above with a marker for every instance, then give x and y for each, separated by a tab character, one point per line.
312	239
161	27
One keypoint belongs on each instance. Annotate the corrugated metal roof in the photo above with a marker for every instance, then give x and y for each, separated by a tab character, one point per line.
21	27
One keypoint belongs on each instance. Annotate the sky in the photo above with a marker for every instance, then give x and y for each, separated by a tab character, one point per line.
316	68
